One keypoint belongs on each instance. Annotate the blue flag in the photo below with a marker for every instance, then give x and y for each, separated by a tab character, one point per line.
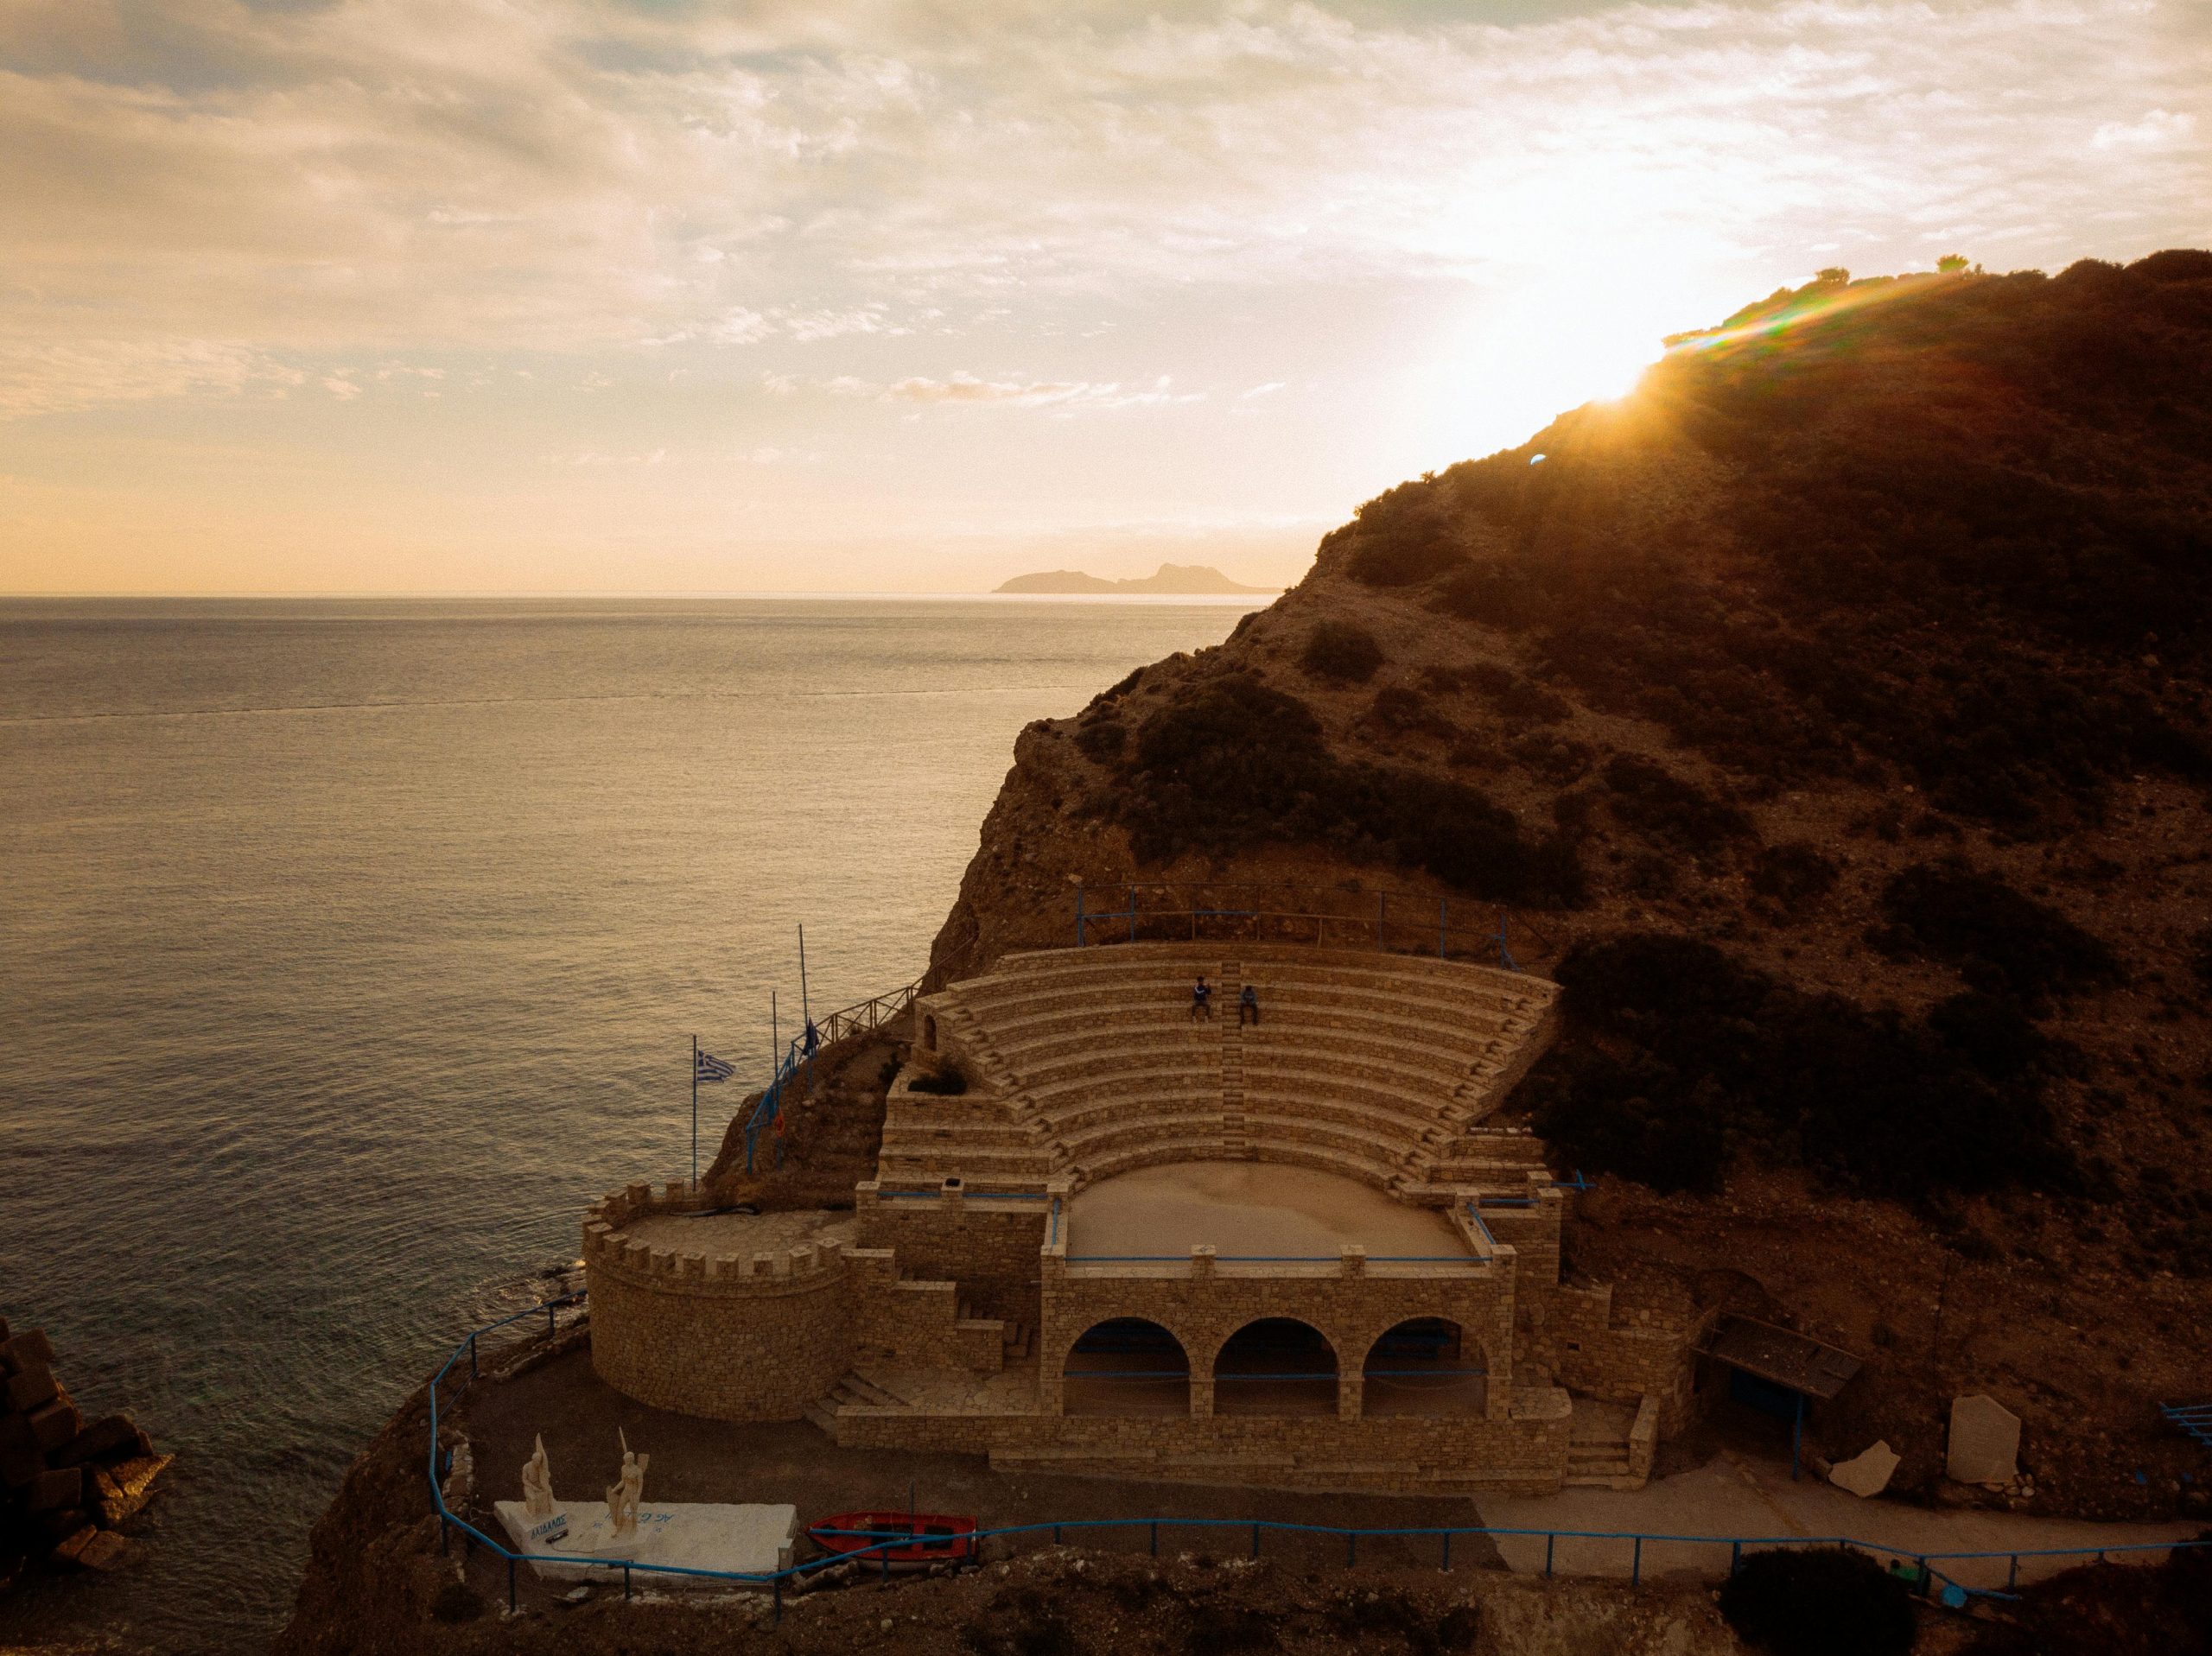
707	1066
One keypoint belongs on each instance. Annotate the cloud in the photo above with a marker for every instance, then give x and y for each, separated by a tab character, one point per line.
961	388
61	377
415	175
2160	129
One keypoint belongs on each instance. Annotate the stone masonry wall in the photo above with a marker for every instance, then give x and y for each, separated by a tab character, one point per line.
1523	1452
1351	1309
730	1338
990	1249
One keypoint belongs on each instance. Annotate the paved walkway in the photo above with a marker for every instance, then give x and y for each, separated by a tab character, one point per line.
1734	1494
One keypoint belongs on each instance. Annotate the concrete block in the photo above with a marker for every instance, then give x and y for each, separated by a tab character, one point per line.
31	1346
1984	1444
30	1385
55	1424
1867	1473
104	1436
52	1490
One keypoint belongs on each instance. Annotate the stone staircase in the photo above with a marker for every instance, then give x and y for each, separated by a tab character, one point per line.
855	1391
1598	1446
1018	1339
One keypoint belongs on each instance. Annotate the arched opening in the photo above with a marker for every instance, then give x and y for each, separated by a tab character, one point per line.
1127	1366
929	1033
1425	1366
1276	1366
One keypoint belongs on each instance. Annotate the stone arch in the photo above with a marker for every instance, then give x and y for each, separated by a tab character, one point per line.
1425	1366
1127	1366
928	1032
1276	1366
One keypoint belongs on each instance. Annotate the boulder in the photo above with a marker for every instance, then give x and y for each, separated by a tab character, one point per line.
30	1385
29	1347
1985	1445
107	1551
108	1436
55	1424
52	1491
71	1547
1868	1473
19	1463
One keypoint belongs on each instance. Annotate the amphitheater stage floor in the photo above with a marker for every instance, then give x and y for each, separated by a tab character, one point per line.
1249	1210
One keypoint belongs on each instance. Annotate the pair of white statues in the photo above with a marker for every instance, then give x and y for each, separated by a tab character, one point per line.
622	1495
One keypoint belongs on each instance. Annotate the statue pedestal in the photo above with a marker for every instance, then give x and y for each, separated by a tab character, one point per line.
748	1539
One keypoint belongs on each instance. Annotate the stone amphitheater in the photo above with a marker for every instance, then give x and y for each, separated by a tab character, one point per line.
1106	1236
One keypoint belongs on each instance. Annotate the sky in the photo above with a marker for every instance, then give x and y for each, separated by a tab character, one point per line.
348	296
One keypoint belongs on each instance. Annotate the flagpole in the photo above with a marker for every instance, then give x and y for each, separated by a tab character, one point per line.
805	1012
695	1112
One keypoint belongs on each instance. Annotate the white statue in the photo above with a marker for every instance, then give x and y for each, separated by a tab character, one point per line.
537	1484
623	1495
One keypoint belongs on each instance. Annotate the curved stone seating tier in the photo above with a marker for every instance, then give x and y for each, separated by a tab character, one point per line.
1366	1064
1398	1123
1112	1109
1164	1151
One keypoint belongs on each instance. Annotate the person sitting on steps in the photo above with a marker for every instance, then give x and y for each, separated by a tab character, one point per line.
1248	1006
1201	1000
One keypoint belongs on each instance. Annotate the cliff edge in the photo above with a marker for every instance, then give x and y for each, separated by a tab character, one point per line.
1830	716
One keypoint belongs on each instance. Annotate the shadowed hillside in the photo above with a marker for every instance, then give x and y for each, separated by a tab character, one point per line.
1836	705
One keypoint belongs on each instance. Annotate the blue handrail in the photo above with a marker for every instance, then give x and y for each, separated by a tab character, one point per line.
1953	1592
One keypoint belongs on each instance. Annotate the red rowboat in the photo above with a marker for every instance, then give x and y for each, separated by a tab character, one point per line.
937	1538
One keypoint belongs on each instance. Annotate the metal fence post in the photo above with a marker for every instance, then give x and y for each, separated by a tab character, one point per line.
1551	1540
1447	1565
625	1584
1351	1548
1636	1565
1256	1540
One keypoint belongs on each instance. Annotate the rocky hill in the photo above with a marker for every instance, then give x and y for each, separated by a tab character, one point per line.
1831	712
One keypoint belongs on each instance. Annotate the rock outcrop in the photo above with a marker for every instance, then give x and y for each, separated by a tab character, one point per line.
1831	715
67	1486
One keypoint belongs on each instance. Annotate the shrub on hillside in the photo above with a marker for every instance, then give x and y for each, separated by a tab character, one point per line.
1794	873
1239	764
1667	810
1933	567
2110	1609
1679	1056
1342	651
1818	1601
1101	739
1401	709
1406	535
2001	940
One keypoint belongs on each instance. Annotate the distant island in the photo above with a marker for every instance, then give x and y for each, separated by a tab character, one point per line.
1185	579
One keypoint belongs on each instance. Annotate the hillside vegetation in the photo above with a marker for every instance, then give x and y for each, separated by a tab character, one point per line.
1832	713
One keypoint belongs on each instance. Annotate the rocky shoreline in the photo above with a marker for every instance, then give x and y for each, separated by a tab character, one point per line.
67	1486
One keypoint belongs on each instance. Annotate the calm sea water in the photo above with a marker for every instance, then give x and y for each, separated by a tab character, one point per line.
347	949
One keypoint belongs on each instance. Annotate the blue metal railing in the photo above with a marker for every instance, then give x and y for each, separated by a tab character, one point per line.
1950	1592
872	1014
2195	1418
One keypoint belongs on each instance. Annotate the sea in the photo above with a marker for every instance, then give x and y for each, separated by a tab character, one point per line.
347	949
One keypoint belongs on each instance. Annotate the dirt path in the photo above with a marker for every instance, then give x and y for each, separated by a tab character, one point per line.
1736	1494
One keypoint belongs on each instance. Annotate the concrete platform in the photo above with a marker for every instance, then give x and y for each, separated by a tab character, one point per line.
745	1539
1248	1209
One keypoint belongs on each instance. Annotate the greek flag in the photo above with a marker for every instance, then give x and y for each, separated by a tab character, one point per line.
705	1066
